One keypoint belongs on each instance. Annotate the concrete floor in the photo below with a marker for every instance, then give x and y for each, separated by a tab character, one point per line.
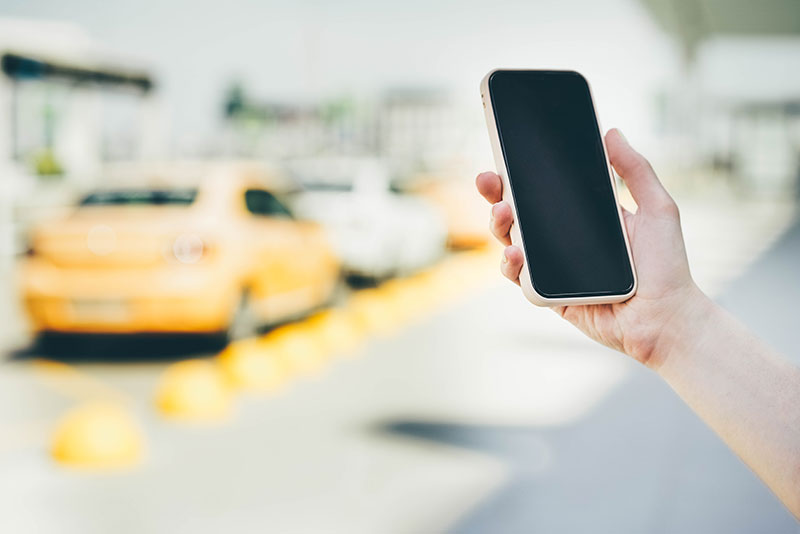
490	416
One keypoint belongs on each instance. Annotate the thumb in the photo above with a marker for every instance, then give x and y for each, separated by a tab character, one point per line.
636	172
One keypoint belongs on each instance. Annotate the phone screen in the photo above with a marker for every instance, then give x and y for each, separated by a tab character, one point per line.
566	210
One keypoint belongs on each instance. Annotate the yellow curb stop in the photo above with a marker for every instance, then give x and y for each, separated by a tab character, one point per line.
303	353
250	364
194	390
97	436
338	331
403	299
375	312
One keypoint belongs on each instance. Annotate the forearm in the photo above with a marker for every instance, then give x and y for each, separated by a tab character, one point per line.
748	394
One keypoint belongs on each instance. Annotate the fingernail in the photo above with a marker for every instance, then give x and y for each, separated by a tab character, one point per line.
622	135
505	258
491	213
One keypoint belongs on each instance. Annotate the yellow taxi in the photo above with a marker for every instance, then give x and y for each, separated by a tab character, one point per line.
461	208
217	252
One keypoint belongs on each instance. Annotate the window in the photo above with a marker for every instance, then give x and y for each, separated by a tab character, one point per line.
139	197
264	203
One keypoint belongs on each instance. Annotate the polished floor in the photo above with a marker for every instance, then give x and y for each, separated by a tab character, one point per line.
484	415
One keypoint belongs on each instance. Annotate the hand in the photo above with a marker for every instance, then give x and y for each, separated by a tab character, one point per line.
643	326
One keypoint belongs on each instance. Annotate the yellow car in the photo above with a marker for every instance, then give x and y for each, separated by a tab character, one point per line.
219	254
461	207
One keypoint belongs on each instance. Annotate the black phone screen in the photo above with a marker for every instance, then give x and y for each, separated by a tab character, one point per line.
566	210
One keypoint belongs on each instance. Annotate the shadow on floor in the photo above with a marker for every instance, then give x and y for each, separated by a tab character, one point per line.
641	461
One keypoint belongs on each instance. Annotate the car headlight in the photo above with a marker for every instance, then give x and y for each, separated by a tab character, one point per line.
189	249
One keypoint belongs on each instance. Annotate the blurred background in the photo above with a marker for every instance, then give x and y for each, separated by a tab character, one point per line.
246	283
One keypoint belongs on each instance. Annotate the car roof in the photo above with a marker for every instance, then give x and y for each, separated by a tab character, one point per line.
215	175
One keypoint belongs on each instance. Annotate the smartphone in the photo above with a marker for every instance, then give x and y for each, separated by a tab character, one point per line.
556	175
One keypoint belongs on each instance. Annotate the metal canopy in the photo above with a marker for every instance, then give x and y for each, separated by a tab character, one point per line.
692	21
26	67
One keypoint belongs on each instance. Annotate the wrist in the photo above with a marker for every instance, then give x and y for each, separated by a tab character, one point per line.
684	332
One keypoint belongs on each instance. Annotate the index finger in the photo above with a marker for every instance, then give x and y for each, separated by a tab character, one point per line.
490	186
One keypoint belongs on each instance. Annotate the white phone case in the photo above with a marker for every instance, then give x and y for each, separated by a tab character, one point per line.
516	239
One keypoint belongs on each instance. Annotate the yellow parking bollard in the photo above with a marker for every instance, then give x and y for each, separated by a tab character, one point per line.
254	365
337	330
395	298
97	436
194	390
303	352
374	311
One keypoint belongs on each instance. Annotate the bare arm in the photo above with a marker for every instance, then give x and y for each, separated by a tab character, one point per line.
748	394
743	390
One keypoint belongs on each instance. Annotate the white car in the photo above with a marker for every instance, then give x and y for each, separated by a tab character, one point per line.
377	233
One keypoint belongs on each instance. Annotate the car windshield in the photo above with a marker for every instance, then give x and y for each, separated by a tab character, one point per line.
141	197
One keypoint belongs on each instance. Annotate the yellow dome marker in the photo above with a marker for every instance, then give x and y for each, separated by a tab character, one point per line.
194	390
252	365
303	352
337	330
408	301
374	311
97	436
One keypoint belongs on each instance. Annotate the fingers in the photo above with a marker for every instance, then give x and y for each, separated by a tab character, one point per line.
500	223
638	175
512	263
490	186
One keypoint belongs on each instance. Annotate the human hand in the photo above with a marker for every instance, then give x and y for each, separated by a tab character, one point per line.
645	325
